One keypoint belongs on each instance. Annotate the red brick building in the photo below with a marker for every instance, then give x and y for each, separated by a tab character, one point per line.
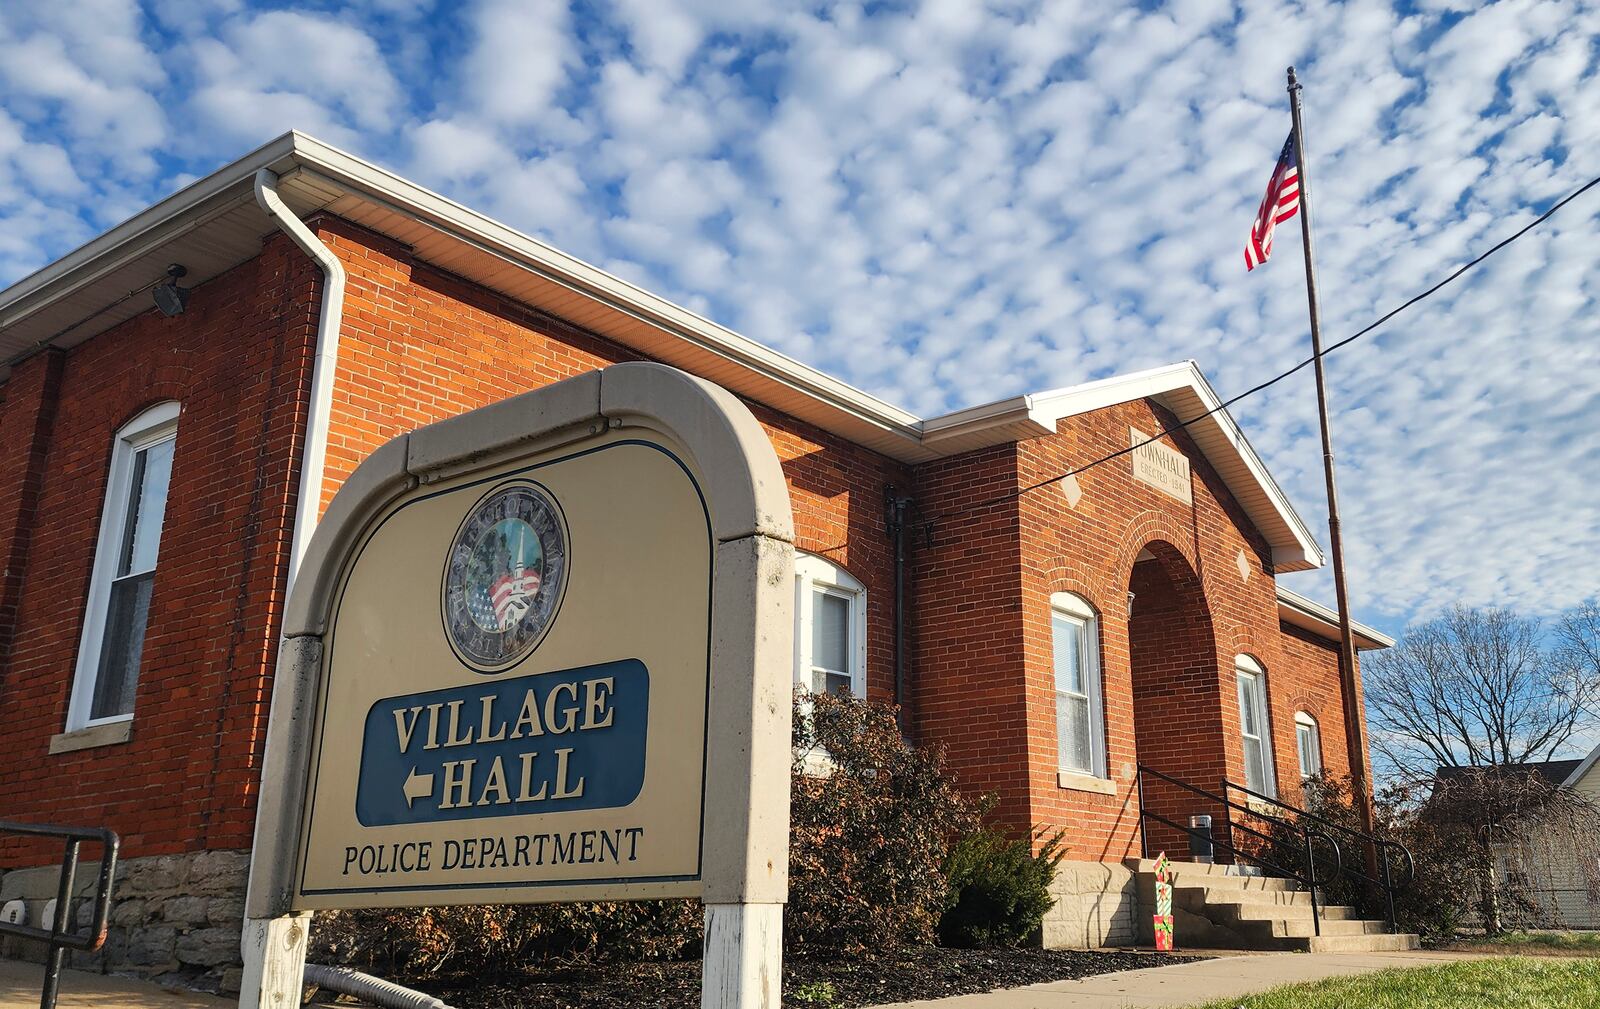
159	476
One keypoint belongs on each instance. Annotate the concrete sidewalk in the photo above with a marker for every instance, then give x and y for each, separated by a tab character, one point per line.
1187	984
19	989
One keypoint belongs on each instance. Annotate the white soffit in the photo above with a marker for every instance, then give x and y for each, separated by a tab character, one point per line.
1310	615
214	224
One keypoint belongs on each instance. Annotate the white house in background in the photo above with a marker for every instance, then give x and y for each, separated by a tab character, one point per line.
1577	886
1568	889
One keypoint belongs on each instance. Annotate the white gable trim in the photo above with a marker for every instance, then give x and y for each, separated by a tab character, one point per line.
1180	388
1582	769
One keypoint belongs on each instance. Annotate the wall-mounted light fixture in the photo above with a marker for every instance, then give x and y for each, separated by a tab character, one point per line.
171	298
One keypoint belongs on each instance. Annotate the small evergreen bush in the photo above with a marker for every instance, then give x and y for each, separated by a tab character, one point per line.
999	888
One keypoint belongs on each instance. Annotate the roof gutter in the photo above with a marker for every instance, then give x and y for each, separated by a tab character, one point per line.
324	364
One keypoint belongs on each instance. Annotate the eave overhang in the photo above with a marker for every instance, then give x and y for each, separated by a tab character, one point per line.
1309	615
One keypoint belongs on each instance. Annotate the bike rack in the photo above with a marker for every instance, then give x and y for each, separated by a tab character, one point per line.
59	938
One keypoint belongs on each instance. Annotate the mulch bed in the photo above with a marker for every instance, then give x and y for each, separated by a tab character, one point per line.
834	982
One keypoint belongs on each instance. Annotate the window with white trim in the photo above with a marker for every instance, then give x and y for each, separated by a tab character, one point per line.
1080	714
830	635
1254	726
124	569
1308	741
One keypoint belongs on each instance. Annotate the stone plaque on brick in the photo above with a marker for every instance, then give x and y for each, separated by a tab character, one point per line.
1164	468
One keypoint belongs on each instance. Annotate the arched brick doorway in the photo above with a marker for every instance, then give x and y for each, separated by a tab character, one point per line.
1177	690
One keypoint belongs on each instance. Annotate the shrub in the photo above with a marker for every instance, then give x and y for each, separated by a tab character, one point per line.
869	837
416	942
999	888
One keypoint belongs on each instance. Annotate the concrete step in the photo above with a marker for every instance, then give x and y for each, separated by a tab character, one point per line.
1253	909
1227	884
1194	868
1298	928
1255	898
1383	943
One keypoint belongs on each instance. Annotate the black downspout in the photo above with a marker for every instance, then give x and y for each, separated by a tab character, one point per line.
895	510
897	531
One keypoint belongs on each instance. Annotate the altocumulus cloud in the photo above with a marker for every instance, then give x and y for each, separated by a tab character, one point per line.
949	202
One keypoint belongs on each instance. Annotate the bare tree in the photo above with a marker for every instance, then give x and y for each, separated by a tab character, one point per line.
1460	707
1477	688
1578	644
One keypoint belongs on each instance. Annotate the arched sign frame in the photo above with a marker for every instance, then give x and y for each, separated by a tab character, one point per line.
743	844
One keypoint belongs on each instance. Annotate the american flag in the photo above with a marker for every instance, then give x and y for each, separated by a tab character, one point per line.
1281	203
512	593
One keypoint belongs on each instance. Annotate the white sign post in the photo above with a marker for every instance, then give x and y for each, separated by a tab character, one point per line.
541	652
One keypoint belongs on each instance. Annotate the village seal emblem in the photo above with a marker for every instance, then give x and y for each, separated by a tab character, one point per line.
505	576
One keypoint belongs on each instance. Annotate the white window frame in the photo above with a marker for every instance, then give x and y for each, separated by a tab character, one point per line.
1305	720
157	424
1245	667
1077	609
813	573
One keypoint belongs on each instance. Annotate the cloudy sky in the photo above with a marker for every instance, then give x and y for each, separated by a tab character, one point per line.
950	202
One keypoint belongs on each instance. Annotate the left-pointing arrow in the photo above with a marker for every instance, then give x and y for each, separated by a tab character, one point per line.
417	786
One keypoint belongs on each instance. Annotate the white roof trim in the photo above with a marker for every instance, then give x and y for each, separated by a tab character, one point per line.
1310	615
1183	390
1582	769
74	298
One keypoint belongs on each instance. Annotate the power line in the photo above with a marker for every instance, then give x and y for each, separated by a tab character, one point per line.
1012	495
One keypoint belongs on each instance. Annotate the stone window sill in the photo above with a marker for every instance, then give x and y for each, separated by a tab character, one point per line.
1076	782
106	734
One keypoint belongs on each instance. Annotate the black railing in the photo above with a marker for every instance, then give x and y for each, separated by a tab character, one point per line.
1307	878
58	935
1380	847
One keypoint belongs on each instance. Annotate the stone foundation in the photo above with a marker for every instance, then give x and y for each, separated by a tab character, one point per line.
173	917
1097	904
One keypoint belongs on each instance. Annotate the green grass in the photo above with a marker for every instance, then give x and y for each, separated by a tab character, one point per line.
1499	983
1577	941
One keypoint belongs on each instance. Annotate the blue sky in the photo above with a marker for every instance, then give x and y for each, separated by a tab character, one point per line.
950	202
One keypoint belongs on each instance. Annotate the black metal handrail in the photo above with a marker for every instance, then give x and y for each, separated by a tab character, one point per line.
1308	879
57	935
1383	881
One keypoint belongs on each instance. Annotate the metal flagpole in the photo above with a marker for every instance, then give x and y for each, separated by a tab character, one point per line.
1347	647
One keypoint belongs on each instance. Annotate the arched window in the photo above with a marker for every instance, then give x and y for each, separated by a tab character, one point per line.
1080	712
830	633
1308	740
1254	726
124	569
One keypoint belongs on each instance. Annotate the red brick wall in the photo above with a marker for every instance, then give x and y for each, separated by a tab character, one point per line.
420	345
1181	677
1309	682
968	665
27	411
237	361
1177	694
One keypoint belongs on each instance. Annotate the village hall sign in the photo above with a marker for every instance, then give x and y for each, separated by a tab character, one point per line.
540	652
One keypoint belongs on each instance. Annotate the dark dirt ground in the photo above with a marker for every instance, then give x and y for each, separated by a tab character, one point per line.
831	982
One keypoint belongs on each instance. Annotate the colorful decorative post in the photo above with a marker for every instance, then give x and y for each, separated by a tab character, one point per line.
1163	916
